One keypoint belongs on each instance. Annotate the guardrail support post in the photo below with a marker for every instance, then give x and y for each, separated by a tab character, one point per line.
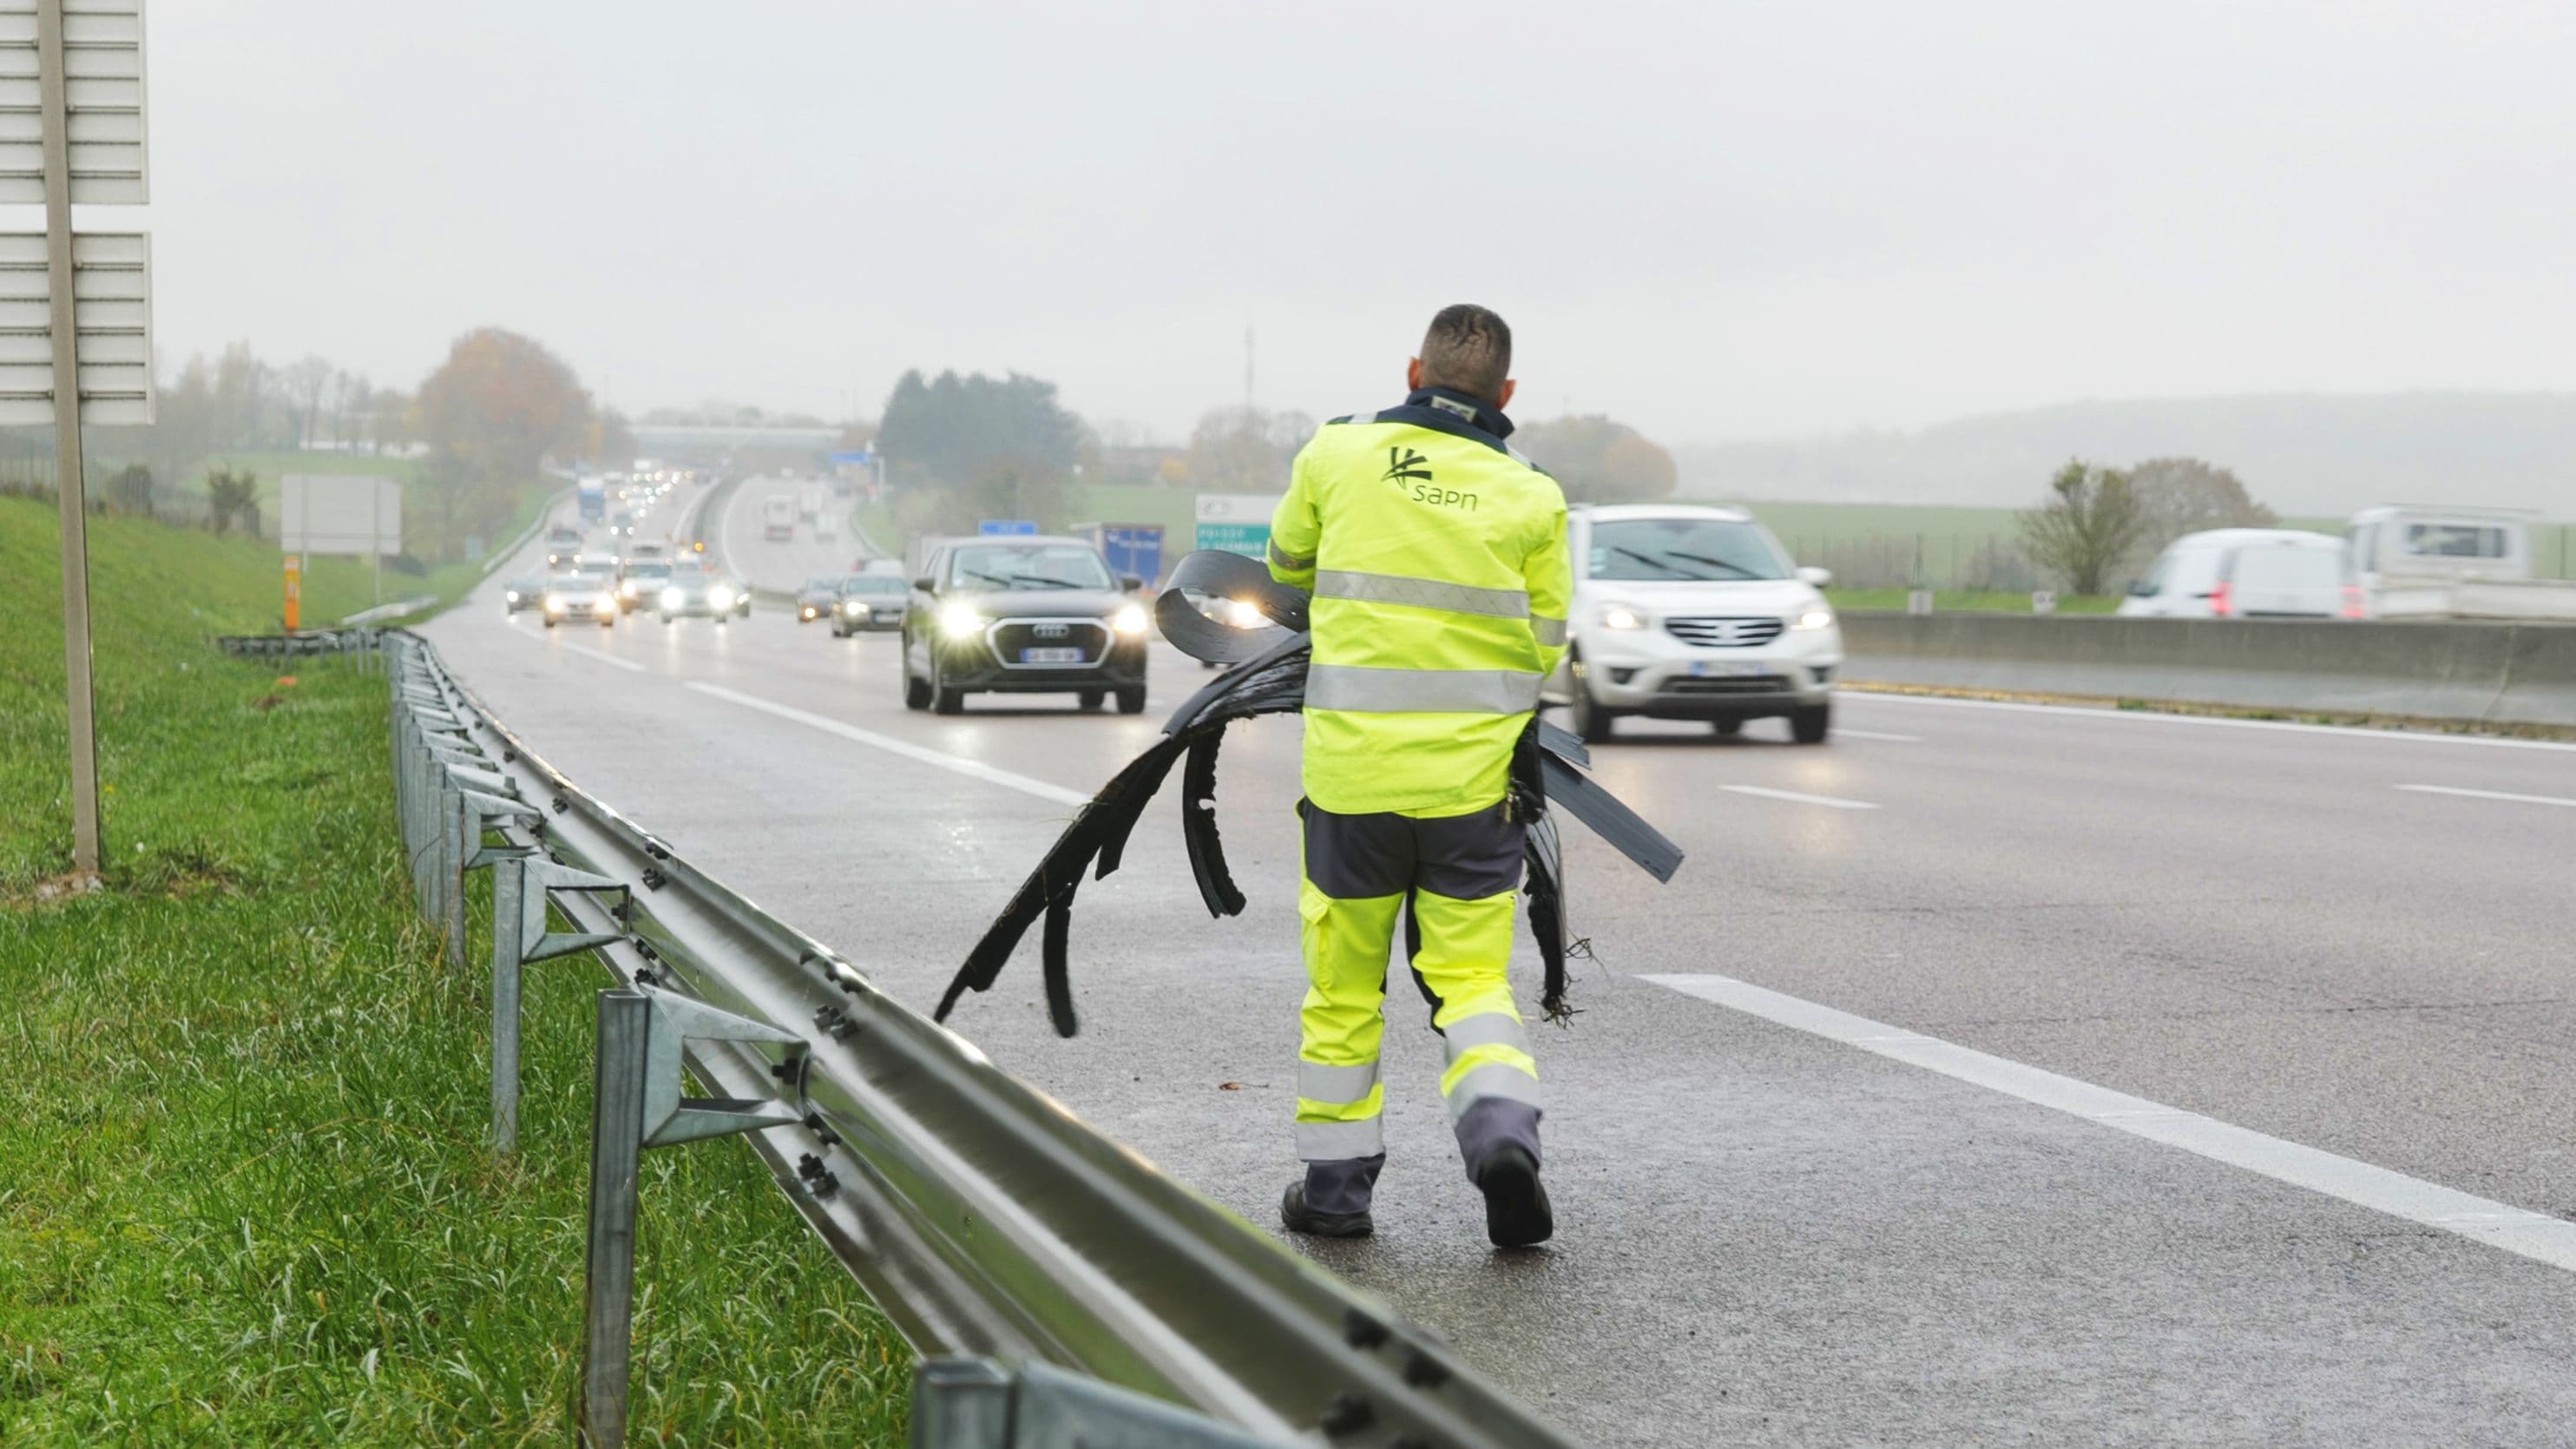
616	1145
519	936
451	873
637	1104
975	1403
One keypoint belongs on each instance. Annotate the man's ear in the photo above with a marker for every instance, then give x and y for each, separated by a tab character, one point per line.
1505	400
1413	375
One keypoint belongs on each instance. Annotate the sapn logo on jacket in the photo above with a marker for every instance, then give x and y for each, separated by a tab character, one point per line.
1410	470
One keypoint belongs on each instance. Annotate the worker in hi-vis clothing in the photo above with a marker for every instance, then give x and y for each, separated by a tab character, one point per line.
1436	557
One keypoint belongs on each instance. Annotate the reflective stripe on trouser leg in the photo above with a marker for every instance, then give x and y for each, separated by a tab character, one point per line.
1466	949
1339	1100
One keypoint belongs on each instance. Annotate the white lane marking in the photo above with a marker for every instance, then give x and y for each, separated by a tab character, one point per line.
2533	1235
2212	721
1795	797
602	658
974	769
1846	732
2490	795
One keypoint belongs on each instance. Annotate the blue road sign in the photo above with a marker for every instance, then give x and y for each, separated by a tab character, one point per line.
859	459
1134	548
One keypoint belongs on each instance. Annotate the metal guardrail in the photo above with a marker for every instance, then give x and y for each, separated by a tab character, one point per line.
984	1218
394	610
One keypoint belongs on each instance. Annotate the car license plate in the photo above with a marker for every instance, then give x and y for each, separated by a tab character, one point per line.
1723	668
1051	656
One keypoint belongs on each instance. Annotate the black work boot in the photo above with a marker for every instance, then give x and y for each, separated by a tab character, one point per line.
1314	1223
1516	1210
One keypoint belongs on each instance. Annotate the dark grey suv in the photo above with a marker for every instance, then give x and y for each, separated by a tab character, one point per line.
1023	616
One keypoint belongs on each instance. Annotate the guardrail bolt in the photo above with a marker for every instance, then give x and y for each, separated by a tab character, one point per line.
1423	1371
1362	1331
821	1129
561	805
653	879
835	1022
1347	1414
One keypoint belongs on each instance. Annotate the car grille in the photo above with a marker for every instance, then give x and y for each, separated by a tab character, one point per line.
1717	633
1738	684
1013	635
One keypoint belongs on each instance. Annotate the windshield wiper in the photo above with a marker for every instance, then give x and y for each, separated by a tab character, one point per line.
1043	582
996	580
1715	563
1649	560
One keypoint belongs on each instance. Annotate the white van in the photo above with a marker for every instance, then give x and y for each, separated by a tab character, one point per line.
778	518
2247	573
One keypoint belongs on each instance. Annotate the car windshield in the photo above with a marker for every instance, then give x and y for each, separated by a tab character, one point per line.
1028	566
871	584
647	569
1687	549
575	583
821	585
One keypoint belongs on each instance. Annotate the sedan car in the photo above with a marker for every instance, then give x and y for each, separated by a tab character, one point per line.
815	600
1024	616
522	593
576	597
867	601
640	581
692	593
1696	614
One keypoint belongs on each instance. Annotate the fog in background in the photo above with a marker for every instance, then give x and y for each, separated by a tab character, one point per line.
1718	221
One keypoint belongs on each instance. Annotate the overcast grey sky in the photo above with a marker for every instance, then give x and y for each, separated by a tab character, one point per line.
1713	220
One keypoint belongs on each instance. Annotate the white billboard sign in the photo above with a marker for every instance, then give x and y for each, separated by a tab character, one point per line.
339	513
102	101
111	308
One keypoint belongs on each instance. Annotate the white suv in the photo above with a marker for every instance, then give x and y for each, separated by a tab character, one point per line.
1693	613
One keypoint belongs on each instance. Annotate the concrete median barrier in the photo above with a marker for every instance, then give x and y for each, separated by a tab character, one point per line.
2520	674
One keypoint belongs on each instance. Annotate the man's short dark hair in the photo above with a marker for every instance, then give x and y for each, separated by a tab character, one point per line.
1468	348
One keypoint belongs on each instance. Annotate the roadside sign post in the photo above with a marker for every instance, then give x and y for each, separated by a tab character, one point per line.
294	592
103	51
1235	522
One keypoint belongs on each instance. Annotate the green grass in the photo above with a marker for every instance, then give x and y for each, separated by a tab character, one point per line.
272	466
1947	601
243	1191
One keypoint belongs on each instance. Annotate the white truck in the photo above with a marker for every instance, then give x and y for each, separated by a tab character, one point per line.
810	501
778	518
2453	563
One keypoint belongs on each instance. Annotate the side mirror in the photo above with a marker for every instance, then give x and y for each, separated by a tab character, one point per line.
1815	577
923	583
2142	589
1132	583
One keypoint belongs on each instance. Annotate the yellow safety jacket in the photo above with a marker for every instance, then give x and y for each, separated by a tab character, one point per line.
1436	555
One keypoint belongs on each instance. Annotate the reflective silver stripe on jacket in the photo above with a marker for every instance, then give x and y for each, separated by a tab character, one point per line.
1493	1079
1485	1028
1337	1141
1421	691
1339	1086
1287	560
1550	632
1421	593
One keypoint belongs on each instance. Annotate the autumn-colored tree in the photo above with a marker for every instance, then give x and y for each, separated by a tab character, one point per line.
2186	495
1597	460
491	414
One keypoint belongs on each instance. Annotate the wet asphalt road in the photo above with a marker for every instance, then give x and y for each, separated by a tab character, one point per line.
1770	1235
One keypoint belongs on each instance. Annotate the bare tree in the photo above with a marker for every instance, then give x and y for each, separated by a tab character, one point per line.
2185	495
2087	526
1246	448
304	383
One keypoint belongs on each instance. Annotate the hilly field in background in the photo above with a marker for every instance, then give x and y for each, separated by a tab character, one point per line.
2303	454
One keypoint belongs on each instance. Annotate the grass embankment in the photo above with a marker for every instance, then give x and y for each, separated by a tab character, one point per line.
243	1191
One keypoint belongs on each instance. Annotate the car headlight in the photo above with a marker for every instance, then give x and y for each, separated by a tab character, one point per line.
1130	619
853	608
673	598
510	594
1245	614
603	605
554	603
959	620
1620	616
719	598
630	588
1818	617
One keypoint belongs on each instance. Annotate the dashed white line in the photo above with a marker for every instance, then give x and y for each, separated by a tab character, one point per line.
584	649
1847	733
2533	1235
2490	795
1794	797
973	769
2211	721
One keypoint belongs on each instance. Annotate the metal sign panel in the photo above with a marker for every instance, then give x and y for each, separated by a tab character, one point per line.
1008	527
1236	522
112	308
352	513
103	95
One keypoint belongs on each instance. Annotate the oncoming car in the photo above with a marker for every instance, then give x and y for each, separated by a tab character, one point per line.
1693	613
576	597
1026	616
522	593
867	601
815	599
693	593
640	581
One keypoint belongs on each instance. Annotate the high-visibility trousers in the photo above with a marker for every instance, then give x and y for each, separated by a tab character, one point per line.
1457	875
